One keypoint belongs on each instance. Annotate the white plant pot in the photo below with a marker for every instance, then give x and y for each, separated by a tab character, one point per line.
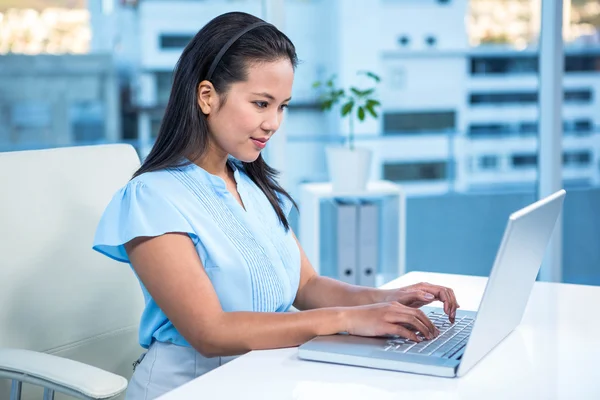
349	170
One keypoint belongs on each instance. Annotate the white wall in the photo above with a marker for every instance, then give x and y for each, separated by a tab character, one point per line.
418	19
424	83
308	24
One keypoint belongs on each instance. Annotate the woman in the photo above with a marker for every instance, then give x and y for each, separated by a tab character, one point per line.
203	223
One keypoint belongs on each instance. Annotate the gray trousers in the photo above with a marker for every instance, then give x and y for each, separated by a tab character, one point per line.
166	366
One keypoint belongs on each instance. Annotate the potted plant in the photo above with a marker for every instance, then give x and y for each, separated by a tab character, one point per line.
349	166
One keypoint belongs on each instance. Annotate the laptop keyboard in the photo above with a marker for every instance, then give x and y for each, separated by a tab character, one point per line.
452	338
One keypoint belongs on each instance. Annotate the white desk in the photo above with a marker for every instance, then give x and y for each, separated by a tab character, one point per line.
553	354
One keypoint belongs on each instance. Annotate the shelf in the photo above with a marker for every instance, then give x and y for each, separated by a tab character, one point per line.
374	189
392	224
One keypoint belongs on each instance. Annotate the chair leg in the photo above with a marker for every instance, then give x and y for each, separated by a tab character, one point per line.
48	394
15	390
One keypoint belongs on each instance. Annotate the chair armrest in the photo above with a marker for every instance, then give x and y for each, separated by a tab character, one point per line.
60	374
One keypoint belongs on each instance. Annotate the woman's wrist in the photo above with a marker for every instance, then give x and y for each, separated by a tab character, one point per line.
374	296
337	318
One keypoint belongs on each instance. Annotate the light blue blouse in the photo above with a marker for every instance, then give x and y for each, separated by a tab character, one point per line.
252	262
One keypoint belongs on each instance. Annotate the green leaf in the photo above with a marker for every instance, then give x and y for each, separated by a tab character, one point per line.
362	93
372	102
368	92
371	75
371	111
316	85
361	113
336	95
330	81
374	76
326	105
346	108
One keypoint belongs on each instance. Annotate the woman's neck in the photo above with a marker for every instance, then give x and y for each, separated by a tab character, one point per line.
215	164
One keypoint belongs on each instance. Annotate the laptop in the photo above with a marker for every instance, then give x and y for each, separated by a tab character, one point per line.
463	344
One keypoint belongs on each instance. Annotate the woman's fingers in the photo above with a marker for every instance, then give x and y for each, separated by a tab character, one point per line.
454	302
445	295
403	332
415	319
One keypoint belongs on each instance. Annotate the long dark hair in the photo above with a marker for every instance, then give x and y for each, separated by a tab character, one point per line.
183	134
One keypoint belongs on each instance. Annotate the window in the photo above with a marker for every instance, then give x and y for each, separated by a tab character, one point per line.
155	122
174	41
503	98
488	162
577	158
582	125
582	63
415	171
164	81
129	121
504	65
497	98
489	129
31	114
529	64
578	126
29	122
578	96
418	122
87	121
524	160
528	127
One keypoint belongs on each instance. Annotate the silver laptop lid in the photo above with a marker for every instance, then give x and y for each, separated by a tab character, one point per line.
513	274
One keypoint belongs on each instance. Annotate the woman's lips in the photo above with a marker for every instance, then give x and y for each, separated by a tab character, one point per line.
260	142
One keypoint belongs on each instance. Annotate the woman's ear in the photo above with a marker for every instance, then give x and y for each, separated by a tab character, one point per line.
207	97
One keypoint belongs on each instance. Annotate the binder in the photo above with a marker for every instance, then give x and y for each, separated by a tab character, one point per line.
346	227
367	243
328	239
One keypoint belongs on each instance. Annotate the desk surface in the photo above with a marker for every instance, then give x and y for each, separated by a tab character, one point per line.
553	354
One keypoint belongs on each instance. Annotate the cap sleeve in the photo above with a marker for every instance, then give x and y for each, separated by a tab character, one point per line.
134	211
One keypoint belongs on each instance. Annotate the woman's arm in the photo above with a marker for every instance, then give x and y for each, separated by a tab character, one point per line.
172	272
317	291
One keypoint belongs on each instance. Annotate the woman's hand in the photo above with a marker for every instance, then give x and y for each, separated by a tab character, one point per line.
390	318
421	294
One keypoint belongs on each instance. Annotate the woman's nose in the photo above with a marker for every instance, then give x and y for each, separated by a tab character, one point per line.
271	123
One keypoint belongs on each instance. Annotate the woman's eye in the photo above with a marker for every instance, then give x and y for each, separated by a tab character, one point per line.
284	106
261	104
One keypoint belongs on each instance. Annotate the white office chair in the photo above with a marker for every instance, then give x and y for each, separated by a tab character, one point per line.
68	315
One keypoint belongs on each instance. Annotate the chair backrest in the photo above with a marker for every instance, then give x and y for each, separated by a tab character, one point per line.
57	295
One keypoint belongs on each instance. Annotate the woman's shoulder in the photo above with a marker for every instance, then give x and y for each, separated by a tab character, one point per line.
152	179
164	181
145	206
